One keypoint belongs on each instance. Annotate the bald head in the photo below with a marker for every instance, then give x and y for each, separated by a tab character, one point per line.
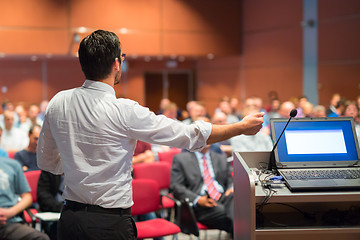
219	118
285	109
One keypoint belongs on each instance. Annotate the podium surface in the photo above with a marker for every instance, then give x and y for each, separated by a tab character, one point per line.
286	214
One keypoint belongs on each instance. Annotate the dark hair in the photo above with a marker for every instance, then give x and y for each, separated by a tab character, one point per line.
97	53
31	130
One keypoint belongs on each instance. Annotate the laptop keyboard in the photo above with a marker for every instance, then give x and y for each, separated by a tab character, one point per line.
322	174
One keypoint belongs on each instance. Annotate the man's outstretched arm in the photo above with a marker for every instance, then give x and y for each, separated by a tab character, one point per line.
249	125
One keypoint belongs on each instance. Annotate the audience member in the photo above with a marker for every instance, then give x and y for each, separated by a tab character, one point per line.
333	102
27	156
15	197
143	153
319	111
170	111
224	106
272	95
196	109
285	109
274	108
49	197
12	138
33	113
163	103
189	105
307	109
24	122
223	147
234	105
339	109
205	179
43	106
299	103
351	110
3	152
259	106
8	105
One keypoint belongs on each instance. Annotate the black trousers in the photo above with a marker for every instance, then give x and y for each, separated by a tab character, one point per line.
218	217
81	221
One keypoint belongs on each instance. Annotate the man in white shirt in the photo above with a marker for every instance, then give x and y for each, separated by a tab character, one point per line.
13	139
90	136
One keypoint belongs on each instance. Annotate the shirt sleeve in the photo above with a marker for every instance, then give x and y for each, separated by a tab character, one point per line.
144	125
48	157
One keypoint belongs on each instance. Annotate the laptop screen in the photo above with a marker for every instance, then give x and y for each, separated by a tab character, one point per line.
312	142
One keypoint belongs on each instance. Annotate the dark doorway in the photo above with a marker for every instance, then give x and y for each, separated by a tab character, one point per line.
176	86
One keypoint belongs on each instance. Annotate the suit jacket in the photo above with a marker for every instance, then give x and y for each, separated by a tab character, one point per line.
186	178
48	187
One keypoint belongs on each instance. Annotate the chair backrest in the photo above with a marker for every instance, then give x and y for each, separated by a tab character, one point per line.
33	178
146	196
168	155
11	154
157	171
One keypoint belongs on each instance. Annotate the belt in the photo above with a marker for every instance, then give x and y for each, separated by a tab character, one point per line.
76	206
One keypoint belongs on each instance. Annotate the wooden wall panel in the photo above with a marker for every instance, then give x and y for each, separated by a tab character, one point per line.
332	9
148	23
137	15
339	78
264	14
339	49
62	74
33	42
272	41
34	13
202	16
22	79
140	44
277	47
339	40
217	78
285	80
198	44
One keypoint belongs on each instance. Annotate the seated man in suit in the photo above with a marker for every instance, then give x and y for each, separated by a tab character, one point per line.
205	179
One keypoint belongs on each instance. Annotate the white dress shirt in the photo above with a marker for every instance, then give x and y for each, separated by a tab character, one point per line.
14	139
96	134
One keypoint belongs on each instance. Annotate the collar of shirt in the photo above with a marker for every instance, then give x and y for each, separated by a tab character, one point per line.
99	86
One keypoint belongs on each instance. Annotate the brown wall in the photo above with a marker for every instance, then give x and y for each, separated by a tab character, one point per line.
257	45
272	48
339	49
154	27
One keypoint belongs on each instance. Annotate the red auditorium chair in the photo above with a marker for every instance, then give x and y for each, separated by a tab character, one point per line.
168	155
146	199
32	177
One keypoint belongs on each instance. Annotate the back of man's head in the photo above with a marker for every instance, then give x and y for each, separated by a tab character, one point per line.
97	53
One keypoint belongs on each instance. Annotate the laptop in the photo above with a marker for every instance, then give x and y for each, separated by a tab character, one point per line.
317	153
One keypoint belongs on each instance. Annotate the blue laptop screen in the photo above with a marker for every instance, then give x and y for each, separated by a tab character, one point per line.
314	141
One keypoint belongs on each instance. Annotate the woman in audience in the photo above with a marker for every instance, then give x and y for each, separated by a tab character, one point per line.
352	110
